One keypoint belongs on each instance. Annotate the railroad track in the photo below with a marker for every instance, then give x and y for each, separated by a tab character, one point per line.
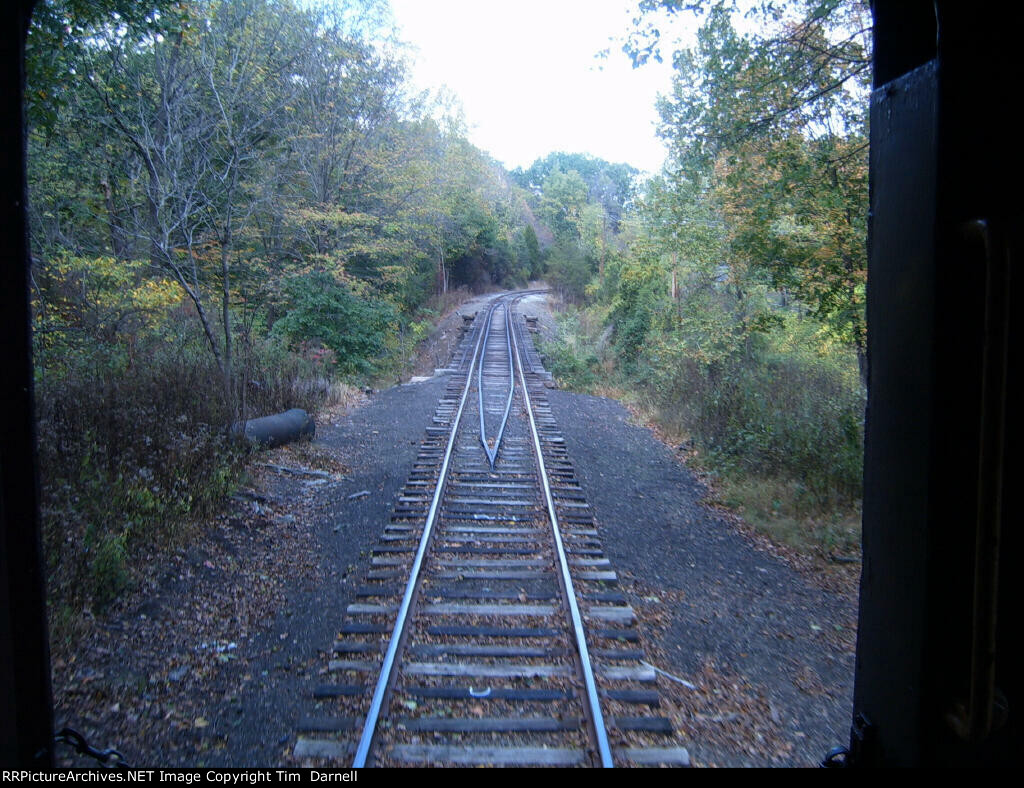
489	629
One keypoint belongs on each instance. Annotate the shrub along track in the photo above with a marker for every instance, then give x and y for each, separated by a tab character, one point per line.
489	630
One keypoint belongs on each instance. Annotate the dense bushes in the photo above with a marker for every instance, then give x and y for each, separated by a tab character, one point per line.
574	358
132	454
794	413
568	271
135	412
775	414
123	457
323	311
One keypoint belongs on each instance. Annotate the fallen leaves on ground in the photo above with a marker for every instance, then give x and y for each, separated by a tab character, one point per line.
158	676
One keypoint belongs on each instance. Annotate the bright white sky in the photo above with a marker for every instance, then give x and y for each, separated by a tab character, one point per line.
528	79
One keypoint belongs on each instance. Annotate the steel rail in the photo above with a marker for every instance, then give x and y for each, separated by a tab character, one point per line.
577	620
492	454
372	715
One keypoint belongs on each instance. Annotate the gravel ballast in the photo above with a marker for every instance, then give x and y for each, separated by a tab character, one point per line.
737	608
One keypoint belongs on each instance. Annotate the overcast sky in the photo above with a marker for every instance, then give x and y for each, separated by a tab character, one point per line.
528	79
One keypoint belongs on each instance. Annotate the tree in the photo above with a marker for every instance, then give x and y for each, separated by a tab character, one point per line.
322	310
611	185
564	195
61	32
776	125
149	93
340	125
202	115
795	215
533	251
250	143
245	61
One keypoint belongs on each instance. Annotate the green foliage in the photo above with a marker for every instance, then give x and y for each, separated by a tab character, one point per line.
563	198
577	372
779	425
612	186
244	199
419	330
59	36
640	295
583	215
569	272
233	204
320	310
93	309
773	127
533	252
132	456
806	69
756	226
760	388
797	214
795	414
108	570
575	356
773	405
246	144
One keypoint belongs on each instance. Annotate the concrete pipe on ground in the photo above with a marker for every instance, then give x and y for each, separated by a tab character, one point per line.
281	428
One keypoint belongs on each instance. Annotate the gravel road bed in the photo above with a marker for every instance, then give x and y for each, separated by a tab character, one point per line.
719	605
378	442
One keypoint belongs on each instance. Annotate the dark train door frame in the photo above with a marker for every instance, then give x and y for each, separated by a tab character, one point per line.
937	661
26	716
936	679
